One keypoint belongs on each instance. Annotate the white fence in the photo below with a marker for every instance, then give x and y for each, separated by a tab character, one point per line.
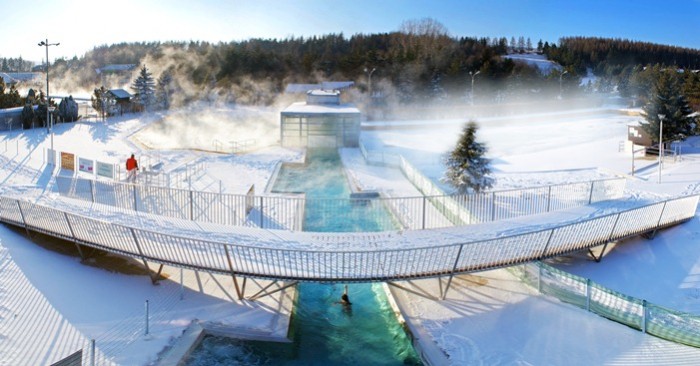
287	212
636	313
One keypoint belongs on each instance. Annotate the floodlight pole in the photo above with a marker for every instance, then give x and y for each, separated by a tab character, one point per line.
473	75
661	144
369	82
49	124
560	80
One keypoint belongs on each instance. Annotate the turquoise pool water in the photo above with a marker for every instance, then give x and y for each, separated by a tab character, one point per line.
328	204
323	331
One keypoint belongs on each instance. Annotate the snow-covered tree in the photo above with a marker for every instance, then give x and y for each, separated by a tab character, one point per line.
467	168
164	90
68	109
27	116
144	89
669	101
436	90
103	101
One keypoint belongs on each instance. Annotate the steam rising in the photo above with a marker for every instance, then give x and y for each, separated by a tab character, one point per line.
211	128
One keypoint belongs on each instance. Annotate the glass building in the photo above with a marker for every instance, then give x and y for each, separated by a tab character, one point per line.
321	121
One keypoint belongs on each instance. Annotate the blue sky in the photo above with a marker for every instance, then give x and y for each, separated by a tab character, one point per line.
79	25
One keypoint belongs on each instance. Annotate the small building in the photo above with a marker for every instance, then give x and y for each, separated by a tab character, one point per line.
122	100
11	118
321	121
637	136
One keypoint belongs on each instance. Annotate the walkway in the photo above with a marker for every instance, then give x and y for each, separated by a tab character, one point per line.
343	257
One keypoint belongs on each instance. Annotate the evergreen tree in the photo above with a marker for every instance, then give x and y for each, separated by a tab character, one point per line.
68	109
467	168
529	44
521	44
668	100
164	90
540	45
144	88
27	116
513	45
103	101
436	91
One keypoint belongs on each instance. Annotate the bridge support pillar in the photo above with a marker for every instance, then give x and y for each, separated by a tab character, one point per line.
600	256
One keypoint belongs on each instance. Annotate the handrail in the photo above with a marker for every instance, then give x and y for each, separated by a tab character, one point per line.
284	212
348	264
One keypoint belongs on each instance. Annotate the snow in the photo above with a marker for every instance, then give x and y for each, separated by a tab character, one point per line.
52	305
540	61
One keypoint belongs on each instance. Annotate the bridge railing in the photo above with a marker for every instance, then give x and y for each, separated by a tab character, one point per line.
265	259
287	212
672	325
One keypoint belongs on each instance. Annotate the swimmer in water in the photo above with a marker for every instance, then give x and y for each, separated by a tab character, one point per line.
344	299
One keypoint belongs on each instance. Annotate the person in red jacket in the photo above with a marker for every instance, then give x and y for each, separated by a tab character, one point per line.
131	167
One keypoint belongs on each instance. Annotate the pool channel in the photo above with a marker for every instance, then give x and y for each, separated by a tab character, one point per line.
324	332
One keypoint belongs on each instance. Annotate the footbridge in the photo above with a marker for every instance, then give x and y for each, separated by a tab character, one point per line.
292	256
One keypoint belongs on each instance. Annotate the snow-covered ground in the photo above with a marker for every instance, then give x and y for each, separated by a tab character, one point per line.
545	66
51	304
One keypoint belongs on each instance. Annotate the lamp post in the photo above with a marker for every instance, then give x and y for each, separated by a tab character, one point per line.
473	75
560	79
49	124
661	144
369	82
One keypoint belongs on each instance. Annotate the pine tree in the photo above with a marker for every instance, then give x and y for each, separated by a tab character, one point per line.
164	90
436	91
144	87
521	44
467	168
102	101
668	100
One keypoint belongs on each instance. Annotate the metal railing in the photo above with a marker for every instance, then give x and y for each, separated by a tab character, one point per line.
672	325
265	259
287	212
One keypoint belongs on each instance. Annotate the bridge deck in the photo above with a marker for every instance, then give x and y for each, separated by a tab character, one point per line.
358	257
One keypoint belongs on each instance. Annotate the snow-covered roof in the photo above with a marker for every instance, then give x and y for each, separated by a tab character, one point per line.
303	108
325	85
323	93
13	77
540	61
336	85
120	93
115	68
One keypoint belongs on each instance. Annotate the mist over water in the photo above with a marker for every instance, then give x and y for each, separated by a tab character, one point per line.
205	127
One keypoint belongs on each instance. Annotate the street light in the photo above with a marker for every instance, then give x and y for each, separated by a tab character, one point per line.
49	125
473	75
661	144
369	81
560	78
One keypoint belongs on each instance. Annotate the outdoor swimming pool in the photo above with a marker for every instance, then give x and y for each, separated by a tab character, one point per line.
324	332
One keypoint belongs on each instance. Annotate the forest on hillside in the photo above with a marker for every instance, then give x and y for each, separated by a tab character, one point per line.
418	64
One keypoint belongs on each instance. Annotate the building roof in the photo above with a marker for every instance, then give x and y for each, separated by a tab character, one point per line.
115	68
14	77
323	93
336	85
326	85
303	108
120	93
